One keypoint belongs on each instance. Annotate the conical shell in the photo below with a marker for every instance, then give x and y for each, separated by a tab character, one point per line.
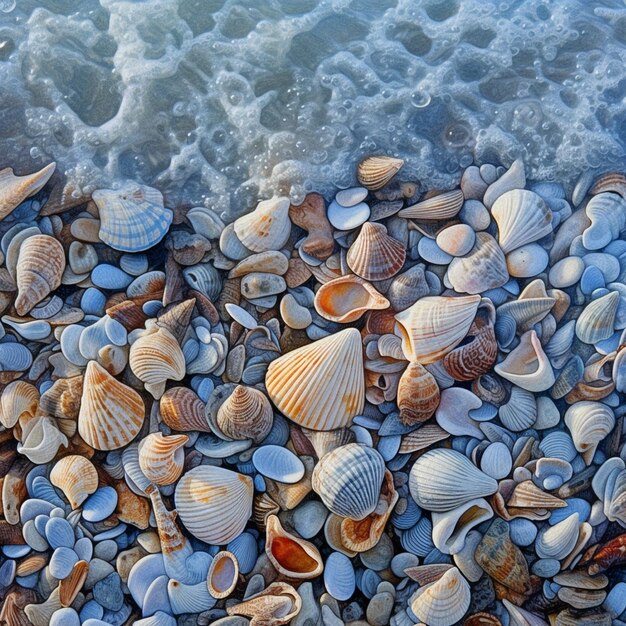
181	409
441	480
214	503
347	298
223	574
434	326
267	227
526	495
440	207
176	318
161	458
76	477
589	423
375	255
40	266
596	322
376	171
418	394
19	399
320	386
111	414
246	414
14	189
132	218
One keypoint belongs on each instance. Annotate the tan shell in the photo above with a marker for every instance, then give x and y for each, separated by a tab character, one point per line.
267	227
440	207
70	586
376	171
14	189
63	398
111	414
162	458
182	409
375	255
223	574
276	605
246	414
418	394
76	477
18	399
526	495
422	438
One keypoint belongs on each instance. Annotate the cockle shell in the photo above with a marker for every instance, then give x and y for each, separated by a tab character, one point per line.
111	413
440	207
132	218
76	477
40	266
14	189
451	528
41	440
607	212
375	255
214	503
376	171
223	574
276	605
418	394
408	287
19	399
556	542
596	322
246	414
320	386
434	326
181	409
161	458
589	423
267	227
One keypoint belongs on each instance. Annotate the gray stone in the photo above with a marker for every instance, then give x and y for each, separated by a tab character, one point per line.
108	592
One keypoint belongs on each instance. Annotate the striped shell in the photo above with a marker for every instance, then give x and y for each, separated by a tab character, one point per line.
440	207
111	414
161	458
418	394
596	321
376	171
444	601
181	409
246	414
267	227
320	386
214	503
14	189
589	423
19	399
76	477
375	255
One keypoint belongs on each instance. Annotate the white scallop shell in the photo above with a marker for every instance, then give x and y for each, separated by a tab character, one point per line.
597	320
556	542
520	412
589	422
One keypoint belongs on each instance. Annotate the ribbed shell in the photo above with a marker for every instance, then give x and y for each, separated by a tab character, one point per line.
162	458
442	479
589	423
349	479
267	227
63	398
14	189
214	503
40	266
182	409
418	394
76	477
320	386
111	414
528	311
376	171
520	412
556	542
443	602
246	414
439	207
596	322
375	255
607	212
133	218
18	399
435	325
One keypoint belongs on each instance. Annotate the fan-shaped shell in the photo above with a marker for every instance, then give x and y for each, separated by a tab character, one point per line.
246	414
214	503
132	218
596	322
376	171
556	542
111	414
76	477
320	386
19	399
375	255
440	207
40	266
182	409
607	212
520	412
418	394
161	458
14	189
589	423
267	227
223	574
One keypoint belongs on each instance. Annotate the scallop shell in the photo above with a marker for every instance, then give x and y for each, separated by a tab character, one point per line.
76	477
214	503
589	423
347	298
161	458
556	542
349	479
14	189
522	217
41	440
434	326
418	394
223	574
607	212
597	320
451	528
246	414
441	480
376	171
181	409
320	386
111	414
520	412
40	266
267	227
375	255
19	399
132	218
440	207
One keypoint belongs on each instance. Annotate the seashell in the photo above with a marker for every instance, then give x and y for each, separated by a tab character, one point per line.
42	440
451	528
132	219
325	441
266	228
375	255
422	438
453	412
556	542
278	463
223	574
186	598
407	288
444	601
376	171
214	503
349	479
520	412
40	266
276	605
347	298
15	189
76	477
181	409
435	484
483	268
111	414
589	423
328	377
513	178
496	460
293	557
246	414
596	322
339	577
607	212
434	326
161	458
440	207
418	394
19	400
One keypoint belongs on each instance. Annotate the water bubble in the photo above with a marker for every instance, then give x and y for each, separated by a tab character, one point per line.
457	134
6	6
420	99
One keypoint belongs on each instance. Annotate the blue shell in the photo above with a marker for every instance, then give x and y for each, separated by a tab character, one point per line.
33	507
245	549
574	505
59	533
339	578
14	357
42	488
418	540
93	301
409	517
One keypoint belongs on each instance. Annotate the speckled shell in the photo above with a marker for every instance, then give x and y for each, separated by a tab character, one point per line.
161	458
418	394
375	255
181	409
246	414
18	399
589	423
14	189
76	477
376	171
267	227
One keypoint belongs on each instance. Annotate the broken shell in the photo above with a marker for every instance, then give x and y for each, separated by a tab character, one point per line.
161	458
18	400
14	189
41	440
276	605
451	528
223	574
376	171
76	477
375	255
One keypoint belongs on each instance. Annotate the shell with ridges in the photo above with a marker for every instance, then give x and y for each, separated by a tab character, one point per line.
246	414
556	542
14	189
589	423
596	322
76	477
18	399
276	605
267	227
161	458
376	171
375	255
440	207
418	394
182	409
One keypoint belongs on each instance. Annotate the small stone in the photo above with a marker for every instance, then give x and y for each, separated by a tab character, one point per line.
98	569
343	218
475	214
329	618
108	592
352	612
127	559
294	315
456	240
615	602
566	272
309	518
350	197
472	184
106	550
379	609
310	612
149	541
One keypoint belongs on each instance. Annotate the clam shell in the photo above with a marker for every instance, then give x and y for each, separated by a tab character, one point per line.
376	171
213	503
418	394
596	322
246	414
76	477
339	577
375	255
161	458
223	574
267	227
19	399
111	414
203	277
556	542
607	212
589	423
451	528
440	207
181	409
14	189
321	385
520	412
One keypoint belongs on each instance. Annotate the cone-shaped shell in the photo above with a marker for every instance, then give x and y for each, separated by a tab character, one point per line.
40	266
418	394
443	602
161	458
434	326
442	479
132	218
440	207
347	298
111	413
182	409
19	399
267	227
76	477
376	171
214	503
176	318
596	322
375	255
14	189
320	386
526	495
246	414
349	479
223	574
589	423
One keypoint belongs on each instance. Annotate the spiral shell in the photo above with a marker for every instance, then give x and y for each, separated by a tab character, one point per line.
418	394
76	477
161	458
376	171
375	255
246	414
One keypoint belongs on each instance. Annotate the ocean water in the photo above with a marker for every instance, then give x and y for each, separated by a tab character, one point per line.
223	102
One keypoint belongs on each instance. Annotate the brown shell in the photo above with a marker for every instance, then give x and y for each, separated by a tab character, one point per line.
181	409
276	605
418	394
482	619
246	414
63	398
440	207
375	255
527	495
12	607
176	318
490	388
128	313
376	171
76	477
613	182
607	556
19	399
421	438
72	584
